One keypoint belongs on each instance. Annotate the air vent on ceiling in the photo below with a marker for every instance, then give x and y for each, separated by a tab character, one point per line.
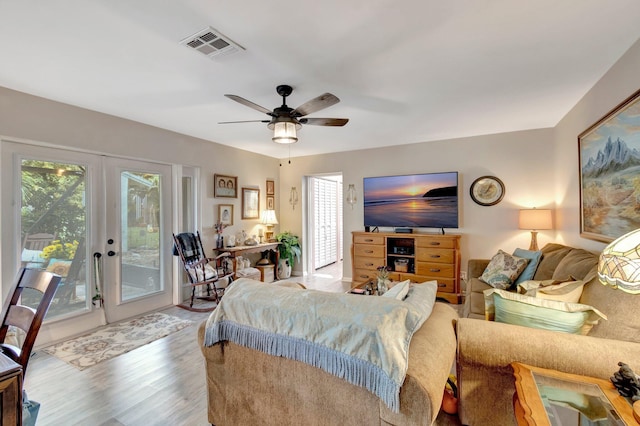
211	42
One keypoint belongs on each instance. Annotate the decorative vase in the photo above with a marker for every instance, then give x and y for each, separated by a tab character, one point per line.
284	269
382	286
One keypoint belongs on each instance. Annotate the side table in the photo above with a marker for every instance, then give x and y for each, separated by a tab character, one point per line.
549	397
258	248
10	391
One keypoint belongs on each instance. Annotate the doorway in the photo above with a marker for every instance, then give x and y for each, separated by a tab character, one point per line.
325	225
108	224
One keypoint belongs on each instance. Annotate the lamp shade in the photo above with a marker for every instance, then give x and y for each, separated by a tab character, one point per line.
269	218
619	264
535	219
284	132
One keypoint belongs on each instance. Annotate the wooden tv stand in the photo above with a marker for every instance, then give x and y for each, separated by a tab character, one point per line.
415	257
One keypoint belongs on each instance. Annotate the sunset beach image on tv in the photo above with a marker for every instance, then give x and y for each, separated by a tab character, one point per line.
427	200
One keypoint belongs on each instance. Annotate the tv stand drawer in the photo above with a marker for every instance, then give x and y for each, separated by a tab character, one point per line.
370	251
435	255
369	239
368	263
435	269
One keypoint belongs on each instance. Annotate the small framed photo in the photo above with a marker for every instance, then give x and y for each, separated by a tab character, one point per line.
271	188
225	214
225	186
271	203
250	203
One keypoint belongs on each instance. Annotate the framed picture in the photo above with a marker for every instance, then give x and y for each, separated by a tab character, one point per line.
271	187
271	204
487	190
250	203
225	214
225	186
609	156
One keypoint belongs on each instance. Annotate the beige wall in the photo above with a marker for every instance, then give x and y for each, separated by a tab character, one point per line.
517	158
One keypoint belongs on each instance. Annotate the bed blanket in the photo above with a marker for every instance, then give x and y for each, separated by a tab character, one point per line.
362	339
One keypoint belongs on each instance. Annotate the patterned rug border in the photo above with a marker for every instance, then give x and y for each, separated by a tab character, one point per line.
116	339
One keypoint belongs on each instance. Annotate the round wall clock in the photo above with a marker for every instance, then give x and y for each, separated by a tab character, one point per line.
487	190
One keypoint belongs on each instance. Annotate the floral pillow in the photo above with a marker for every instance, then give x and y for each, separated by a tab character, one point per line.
503	269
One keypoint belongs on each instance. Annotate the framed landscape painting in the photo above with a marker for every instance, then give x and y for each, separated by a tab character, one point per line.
609	155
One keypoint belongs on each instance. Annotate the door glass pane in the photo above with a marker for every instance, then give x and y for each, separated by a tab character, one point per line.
140	225
53	229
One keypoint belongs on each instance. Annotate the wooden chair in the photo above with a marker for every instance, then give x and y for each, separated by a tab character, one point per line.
24	317
37	241
199	270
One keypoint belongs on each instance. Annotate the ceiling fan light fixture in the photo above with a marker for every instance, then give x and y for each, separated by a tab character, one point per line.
284	132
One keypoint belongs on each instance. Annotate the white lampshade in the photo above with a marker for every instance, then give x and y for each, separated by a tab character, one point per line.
269	218
535	219
619	264
284	132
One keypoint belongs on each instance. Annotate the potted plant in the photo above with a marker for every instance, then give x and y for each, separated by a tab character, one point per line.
290	250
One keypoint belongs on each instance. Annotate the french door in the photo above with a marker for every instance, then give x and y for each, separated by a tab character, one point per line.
104	225
138	239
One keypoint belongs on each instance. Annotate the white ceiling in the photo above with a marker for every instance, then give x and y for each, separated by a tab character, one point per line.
405	71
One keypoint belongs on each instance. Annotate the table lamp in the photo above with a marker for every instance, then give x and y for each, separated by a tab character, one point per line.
269	219
535	219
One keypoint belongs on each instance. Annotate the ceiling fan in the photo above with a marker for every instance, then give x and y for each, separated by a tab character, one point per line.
285	121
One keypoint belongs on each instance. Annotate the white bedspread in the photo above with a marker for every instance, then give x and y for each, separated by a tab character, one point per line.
362	339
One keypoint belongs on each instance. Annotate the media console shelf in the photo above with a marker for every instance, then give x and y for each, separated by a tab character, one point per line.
415	257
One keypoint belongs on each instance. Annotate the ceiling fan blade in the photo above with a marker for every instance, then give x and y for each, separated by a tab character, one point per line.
245	121
250	104
324	121
315	104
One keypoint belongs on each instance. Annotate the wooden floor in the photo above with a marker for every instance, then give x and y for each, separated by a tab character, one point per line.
161	383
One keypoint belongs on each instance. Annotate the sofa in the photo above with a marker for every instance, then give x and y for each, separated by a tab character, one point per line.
487	348
247	386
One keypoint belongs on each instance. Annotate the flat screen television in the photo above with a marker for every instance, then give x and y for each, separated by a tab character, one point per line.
426	200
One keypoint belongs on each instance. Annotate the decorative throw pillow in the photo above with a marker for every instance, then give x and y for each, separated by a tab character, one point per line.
398	291
568	290
60	267
503	269
423	296
518	309
198	275
534	259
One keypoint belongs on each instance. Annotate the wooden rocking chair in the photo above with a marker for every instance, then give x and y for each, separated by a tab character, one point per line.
199	270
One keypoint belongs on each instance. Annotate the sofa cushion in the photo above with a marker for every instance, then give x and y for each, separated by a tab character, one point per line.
568	290
577	263
534	260
503	269
518	309
552	254
623	308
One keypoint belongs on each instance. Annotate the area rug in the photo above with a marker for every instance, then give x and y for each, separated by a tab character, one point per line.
115	339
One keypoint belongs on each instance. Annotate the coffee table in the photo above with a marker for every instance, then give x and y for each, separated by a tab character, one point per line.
549	397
